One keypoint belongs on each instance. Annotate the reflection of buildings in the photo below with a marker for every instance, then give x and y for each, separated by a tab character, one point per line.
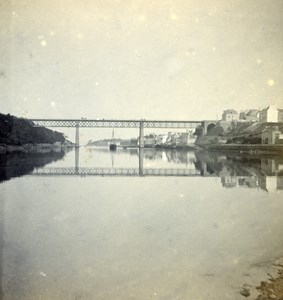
266	183
271	183
271	166
237	181
169	155
238	171
250	182
229	182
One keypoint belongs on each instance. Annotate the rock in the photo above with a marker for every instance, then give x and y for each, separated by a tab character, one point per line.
245	292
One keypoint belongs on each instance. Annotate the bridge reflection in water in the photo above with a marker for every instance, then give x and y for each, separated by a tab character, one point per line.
104	171
115	172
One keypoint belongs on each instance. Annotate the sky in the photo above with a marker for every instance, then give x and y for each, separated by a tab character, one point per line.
139	59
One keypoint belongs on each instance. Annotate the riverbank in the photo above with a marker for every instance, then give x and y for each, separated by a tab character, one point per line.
245	148
30	148
273	288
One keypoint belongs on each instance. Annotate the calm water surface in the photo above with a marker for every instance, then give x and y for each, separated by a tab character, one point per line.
126	236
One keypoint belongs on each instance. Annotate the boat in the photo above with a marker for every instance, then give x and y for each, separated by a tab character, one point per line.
112	145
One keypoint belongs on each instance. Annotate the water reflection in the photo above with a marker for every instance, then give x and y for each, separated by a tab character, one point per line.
18	163
1	244
264	173
139	237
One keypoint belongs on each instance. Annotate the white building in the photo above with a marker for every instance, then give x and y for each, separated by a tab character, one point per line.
230	115
271	114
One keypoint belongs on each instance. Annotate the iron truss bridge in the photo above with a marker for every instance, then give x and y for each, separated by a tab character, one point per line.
114	123
114	172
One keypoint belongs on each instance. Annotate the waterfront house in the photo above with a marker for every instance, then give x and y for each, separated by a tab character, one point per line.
272	135
161	139
230	115
181	138
249	115
149	140
271	114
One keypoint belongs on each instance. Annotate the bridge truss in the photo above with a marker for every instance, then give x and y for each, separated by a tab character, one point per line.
114	123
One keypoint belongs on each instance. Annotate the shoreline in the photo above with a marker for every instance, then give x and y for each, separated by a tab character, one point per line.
30	148
245	148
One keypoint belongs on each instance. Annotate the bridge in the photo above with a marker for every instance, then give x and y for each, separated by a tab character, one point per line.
141	124
70	171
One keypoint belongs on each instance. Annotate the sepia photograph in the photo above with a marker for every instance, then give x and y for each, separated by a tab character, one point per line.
141	149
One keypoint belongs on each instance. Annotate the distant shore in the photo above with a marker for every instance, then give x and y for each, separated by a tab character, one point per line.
157	147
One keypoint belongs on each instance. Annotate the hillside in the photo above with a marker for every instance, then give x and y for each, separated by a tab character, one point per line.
234	132
19	131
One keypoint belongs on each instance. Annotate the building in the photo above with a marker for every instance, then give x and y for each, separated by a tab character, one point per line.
161	139
149	140
272	135
271	114
249	115
230	115
181	138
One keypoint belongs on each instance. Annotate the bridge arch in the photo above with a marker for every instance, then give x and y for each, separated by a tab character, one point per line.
208	125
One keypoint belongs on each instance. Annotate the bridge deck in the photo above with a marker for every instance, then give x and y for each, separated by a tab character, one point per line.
115	123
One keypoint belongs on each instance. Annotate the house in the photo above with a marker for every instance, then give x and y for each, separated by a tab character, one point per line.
230	115
182	138
249	115
272	135
161	139
271	114
149	140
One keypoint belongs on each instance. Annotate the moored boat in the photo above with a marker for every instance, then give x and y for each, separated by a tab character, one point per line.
112	145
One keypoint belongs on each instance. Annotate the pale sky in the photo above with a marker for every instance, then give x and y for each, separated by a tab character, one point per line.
178	60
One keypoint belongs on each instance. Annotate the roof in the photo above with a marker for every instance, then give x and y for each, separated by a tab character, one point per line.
230	111
252	112
270	128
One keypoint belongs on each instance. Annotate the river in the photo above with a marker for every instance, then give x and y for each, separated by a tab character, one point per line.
94	224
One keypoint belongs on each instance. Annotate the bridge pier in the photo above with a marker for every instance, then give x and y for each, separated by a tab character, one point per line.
141	156
77	159
141	137
77	142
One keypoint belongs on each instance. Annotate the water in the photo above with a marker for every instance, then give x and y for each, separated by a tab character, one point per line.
138	234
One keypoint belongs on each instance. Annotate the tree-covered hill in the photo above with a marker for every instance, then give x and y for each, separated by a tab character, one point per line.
19	131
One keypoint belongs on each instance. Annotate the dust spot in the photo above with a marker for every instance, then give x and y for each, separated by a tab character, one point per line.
270	82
